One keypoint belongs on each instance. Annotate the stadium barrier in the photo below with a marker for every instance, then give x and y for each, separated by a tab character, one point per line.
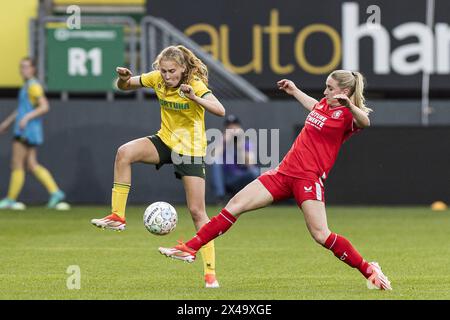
396	161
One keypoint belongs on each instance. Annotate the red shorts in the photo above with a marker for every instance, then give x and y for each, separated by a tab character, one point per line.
283	187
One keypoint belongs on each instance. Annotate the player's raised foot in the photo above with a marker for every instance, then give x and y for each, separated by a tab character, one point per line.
179	252
112	222
377	279
211	281
55	198
7	203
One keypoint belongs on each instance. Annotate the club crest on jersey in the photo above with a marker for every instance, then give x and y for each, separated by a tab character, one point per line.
336	114
181	93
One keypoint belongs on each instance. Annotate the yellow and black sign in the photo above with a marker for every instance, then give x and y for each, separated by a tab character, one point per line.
266	40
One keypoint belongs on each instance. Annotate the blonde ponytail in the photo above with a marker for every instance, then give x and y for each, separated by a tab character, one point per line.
355	82
358	94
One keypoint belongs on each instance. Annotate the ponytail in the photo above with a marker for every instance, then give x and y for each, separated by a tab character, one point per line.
358	93
355	82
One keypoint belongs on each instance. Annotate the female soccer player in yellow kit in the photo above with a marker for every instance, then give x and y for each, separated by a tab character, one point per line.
180	82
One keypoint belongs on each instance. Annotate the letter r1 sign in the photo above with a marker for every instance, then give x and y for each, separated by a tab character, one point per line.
85	59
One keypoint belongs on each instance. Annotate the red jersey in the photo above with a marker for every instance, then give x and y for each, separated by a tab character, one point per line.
316	148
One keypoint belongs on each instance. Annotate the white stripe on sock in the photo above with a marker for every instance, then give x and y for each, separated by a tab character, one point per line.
226	218
335	238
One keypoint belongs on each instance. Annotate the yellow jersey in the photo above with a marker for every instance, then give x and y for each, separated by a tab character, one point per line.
182	120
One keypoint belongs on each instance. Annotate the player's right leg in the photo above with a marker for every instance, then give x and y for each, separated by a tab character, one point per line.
139	150
19	154
253	196
316	221
44	176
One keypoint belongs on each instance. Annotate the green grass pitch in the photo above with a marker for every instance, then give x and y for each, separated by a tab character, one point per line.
267	255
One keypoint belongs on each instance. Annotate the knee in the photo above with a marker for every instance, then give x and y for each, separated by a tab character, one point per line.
235	205
31	166
17	165
123	154
320	235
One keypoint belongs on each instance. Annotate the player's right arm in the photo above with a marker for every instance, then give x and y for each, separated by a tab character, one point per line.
290	88
126	81
4	125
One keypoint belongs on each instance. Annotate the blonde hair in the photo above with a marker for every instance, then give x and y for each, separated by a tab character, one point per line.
185	58
354	81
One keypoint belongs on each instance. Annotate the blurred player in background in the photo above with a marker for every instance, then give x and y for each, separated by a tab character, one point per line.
28	135
180	82
235	166
340	114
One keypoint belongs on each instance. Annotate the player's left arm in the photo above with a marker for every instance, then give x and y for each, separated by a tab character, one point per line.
360	117
207	101
4	125
40	103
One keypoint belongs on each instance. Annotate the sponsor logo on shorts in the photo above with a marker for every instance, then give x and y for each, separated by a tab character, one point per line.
308	189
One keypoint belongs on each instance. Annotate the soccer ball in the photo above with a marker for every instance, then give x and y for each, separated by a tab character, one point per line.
160	218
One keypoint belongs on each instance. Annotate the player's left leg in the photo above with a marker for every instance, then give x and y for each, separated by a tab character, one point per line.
255	195
316	221
17	180
45	178
195	197
138	150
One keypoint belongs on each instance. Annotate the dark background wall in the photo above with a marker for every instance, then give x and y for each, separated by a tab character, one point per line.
394	162
392	165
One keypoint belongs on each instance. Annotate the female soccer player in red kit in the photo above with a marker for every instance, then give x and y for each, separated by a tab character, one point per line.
330	122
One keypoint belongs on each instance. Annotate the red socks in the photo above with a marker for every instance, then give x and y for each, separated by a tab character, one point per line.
215	227
343	249
340	246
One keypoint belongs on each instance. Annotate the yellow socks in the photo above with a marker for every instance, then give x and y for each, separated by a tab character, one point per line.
45	177
209	258
16	183
119	198
18	179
